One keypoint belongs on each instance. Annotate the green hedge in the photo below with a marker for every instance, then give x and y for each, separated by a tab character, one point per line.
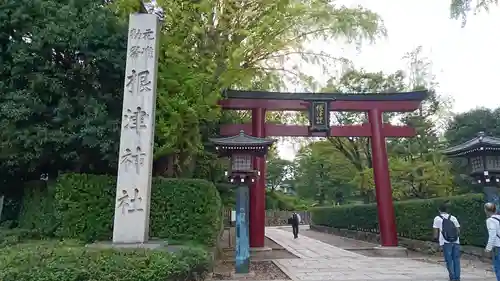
38	209
413	218
81	206
70	261
16	235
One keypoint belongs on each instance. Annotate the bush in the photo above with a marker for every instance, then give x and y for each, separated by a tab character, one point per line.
69	261
186	209
15	236
413	218
81	206
85	206
12	193
227	194
37	208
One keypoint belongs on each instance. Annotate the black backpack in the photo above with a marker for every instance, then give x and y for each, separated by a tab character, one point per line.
449	229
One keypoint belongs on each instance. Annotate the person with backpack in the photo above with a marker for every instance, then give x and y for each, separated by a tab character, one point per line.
295	221
447	230
493	245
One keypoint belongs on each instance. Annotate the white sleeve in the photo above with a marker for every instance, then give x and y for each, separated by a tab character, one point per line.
436	223
298	218
455	221
492	233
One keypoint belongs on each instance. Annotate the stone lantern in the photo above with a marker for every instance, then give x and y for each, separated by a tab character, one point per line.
482	154
240	149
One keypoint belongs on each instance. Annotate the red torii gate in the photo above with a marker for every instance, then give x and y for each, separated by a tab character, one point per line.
317	104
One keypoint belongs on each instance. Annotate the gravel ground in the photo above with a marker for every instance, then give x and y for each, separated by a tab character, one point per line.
362	247
278	252
264	270
228	240
228	255
260	264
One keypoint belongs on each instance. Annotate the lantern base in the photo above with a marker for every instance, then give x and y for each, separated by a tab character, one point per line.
236	275
260	249
392	252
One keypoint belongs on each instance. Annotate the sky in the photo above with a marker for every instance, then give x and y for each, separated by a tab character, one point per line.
465	60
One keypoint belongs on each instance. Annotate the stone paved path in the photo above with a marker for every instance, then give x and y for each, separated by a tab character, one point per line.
320	261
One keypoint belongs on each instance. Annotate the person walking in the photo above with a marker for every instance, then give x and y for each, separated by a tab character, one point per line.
295	221
493	245
447	230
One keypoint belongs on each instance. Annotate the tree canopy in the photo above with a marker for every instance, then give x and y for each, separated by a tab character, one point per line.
343	165
61	100
63	70
465	126
460	9
63	67
211	45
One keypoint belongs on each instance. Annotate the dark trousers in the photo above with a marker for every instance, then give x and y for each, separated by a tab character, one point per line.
295	229
451	252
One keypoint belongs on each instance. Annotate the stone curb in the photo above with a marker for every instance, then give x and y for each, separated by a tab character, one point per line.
297	255
426	247
285	270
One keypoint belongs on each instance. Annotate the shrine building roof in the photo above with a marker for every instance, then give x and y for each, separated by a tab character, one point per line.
477	144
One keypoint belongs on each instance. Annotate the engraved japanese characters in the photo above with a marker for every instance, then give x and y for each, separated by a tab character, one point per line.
131	221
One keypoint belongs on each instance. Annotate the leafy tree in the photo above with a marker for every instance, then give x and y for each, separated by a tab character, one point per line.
211	45
356	149
465	126
417	167
62	67
322	172
421	178
460	9
278	170
412	179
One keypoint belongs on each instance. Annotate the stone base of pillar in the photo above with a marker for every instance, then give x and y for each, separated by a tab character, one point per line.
235	275
147	245
260	249
390	252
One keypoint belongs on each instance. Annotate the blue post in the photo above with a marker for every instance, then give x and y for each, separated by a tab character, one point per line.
242	236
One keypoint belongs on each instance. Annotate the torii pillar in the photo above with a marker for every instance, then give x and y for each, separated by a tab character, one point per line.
258	190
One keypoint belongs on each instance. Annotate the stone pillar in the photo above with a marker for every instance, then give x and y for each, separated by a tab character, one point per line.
258	189
383	190
133	190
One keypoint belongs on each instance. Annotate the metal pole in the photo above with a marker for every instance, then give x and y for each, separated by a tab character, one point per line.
242	234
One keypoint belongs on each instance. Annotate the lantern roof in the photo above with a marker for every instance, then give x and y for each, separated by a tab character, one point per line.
242	140
477	144
242	144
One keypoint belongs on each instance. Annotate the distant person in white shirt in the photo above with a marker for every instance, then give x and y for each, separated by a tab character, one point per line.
447	229
493	225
